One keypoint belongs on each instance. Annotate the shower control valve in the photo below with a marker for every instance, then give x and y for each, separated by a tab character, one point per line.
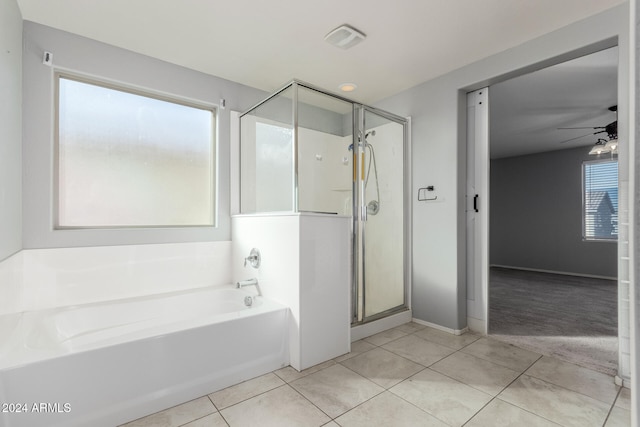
253	259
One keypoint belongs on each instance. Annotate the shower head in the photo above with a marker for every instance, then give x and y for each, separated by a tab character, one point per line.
366	135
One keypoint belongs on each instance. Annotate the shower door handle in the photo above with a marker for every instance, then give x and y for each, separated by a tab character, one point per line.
475	203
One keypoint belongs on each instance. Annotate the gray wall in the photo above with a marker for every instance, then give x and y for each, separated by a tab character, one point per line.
438	109
10	128
536	215
80	55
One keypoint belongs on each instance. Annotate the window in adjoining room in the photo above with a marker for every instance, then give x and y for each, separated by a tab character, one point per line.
600	200
131	159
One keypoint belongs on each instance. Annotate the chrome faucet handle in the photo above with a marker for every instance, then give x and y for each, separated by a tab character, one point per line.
253	258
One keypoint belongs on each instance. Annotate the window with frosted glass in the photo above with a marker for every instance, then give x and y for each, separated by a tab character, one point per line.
600	200
125	159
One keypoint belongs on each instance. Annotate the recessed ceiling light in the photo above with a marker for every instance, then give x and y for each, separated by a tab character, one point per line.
348	87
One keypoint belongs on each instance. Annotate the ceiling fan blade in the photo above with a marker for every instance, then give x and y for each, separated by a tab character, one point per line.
581	136
586	127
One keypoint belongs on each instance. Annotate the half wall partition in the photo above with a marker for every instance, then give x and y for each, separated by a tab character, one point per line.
305	150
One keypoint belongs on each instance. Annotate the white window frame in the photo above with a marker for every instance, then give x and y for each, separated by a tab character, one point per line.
584	201
214	178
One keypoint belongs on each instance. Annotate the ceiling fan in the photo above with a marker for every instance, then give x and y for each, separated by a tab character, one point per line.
610	129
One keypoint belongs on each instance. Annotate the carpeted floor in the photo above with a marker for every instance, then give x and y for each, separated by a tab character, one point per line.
572	318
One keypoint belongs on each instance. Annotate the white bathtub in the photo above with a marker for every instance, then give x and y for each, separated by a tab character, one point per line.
107	363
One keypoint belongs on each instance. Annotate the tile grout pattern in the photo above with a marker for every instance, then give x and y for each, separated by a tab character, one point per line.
414	375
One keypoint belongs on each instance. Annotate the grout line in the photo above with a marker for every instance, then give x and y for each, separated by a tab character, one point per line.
532	348
540	379
612	406
416	373
416	406
509	403
308	400
359	404
573	391
209	397
468	385
386	389
481	409
383	388
204	416
224	419
503	389
515	406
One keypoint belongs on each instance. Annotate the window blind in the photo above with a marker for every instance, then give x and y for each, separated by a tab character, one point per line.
600	200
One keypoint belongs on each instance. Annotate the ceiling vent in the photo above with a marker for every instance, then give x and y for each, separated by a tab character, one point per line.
344	37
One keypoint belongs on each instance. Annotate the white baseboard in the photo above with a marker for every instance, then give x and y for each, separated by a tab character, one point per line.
564	273
442	328
622	382
477	325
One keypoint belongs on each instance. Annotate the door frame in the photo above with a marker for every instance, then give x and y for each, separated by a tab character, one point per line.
480	278
477	210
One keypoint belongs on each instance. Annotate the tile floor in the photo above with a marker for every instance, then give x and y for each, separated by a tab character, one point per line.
415	376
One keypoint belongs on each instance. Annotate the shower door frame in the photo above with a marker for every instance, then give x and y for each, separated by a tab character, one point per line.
359	217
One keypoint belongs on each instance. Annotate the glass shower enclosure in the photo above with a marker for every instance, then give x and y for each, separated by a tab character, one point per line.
306	150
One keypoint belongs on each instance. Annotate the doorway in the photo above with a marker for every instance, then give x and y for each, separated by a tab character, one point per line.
530	186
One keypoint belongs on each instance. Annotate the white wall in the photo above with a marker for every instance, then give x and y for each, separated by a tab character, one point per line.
80	55
305	266
437	109
324	182
10	128
321	172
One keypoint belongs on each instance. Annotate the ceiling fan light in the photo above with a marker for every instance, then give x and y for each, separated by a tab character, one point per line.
598	149
612	146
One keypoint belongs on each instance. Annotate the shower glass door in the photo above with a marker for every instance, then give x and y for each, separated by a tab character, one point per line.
381	285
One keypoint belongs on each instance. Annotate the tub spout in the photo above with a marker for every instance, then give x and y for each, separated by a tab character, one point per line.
249	282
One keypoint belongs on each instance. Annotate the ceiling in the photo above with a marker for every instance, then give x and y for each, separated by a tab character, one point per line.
264	44
526	112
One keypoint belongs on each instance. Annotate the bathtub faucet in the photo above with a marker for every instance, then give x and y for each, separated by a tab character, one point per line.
249	282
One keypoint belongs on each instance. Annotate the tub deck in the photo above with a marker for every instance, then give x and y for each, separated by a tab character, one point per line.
107	363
